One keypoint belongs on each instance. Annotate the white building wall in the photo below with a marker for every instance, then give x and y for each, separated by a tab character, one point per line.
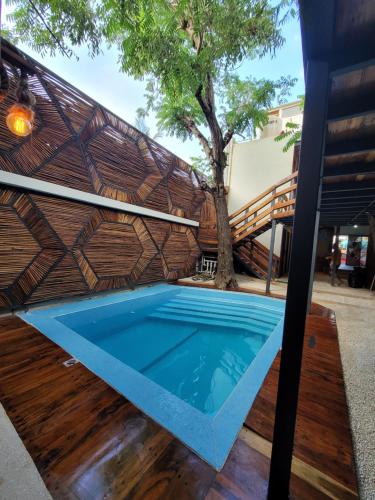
253	167
278	120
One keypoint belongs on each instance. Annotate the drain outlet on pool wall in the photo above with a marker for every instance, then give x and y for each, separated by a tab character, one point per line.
70	362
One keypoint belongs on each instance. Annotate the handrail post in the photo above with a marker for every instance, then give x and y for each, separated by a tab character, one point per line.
270	256
272	245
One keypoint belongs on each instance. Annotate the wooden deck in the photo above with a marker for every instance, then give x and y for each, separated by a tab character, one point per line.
88	442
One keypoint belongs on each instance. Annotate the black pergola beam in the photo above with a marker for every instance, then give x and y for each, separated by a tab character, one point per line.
333	215
339	212
355	168
336	216
367	198
342	220
331	218
343	204
354	108
326	216
346	57
349	186
332	223
362	64
348	221
349	195
336	212
345	108
343	148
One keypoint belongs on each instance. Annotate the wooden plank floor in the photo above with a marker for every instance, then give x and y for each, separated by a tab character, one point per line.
88	442
323	436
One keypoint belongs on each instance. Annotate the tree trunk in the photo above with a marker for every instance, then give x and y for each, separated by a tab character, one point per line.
225	272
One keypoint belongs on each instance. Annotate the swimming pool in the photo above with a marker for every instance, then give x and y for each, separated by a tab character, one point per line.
193	359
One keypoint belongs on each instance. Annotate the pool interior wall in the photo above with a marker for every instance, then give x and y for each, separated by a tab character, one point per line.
192	359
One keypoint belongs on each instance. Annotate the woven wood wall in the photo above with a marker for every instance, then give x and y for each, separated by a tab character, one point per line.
52	248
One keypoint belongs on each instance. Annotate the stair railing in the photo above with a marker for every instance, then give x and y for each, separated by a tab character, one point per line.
256	216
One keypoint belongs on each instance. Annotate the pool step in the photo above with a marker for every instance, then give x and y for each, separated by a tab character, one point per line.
231	306
223	310
164	354
207	319
235	320
276	312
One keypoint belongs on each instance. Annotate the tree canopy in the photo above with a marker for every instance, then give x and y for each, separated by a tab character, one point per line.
189	51
181	46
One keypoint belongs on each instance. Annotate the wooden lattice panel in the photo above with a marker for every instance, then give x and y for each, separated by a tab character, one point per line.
15	235
118	160
78	144
50	247
164	158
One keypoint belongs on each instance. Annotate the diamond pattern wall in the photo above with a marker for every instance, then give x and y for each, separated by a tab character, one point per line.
51	247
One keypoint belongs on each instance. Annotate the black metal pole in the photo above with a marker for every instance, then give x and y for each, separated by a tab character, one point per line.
309	178
270	256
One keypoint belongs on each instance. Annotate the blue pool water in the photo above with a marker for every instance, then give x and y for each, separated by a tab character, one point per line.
176	352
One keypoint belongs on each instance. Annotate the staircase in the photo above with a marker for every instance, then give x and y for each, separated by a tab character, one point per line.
254	256
255	218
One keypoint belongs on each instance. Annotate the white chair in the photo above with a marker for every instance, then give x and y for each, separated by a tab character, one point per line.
207	266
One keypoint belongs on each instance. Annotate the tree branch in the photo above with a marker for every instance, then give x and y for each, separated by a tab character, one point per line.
201	100
206	187
194	130
228	136
206	101
196	38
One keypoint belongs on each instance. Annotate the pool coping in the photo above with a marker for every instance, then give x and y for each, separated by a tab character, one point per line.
209	436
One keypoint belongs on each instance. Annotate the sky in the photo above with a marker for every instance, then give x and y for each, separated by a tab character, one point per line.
101	79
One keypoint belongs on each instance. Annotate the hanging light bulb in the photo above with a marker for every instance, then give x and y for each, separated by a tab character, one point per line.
20	118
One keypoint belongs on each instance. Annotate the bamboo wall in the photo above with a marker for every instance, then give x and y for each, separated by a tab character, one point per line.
51	247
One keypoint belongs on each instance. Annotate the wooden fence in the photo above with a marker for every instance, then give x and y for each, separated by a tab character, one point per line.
51	247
